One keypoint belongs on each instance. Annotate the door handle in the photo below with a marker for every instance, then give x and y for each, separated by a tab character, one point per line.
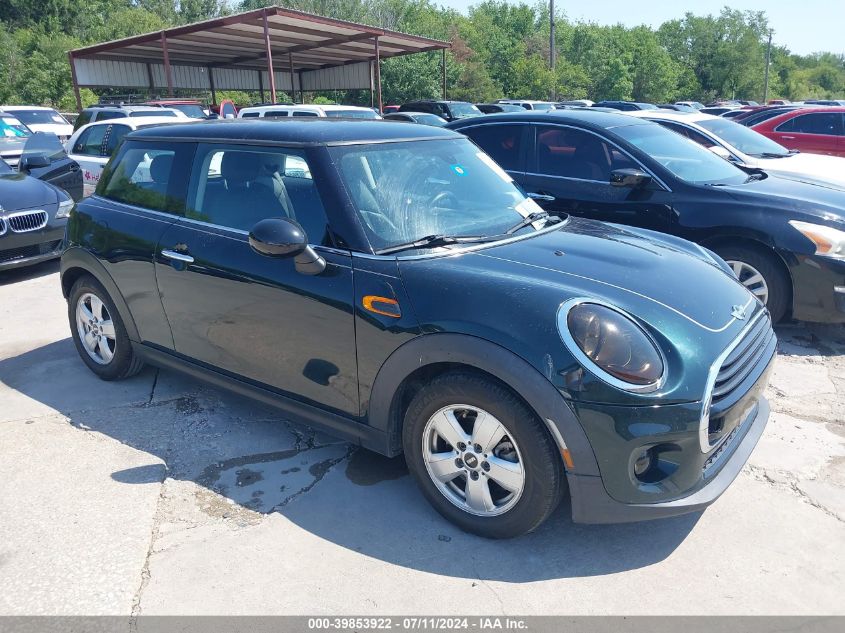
177	256
540	196
788	138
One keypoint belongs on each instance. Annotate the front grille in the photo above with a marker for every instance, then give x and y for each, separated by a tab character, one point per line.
2	226
27	221
14	254
742	360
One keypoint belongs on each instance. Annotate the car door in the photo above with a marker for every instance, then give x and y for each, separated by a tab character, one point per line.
248	315
88	150
814	132
573	166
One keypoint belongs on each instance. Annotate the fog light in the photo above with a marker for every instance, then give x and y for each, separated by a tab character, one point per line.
643	463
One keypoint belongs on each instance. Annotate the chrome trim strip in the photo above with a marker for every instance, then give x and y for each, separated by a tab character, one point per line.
2	225
589	364
704	421
179	257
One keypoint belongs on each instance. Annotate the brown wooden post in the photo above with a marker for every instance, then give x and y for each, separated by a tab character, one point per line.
372	92
378	75
292	81
75	82
167	72
261	85
269	59
151	81
443	68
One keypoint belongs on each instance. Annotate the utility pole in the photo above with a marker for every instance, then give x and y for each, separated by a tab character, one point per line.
552	43
768	63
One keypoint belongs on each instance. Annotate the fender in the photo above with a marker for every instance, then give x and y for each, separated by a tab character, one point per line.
78	258
527	381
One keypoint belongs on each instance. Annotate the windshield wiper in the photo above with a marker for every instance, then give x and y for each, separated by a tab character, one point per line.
771	155
433	241
753	178
530	219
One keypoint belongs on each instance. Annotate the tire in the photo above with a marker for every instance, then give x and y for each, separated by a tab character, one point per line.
515	440
749	260
110	356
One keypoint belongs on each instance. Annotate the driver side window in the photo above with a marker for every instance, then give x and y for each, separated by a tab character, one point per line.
570	153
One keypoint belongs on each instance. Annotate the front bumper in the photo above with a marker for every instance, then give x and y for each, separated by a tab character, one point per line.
592	504
819	289
26	249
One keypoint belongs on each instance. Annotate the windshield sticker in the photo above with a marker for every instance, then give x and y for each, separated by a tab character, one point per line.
458	170
495	167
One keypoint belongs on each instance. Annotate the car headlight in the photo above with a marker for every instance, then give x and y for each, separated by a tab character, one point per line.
611	345
828	241
64	209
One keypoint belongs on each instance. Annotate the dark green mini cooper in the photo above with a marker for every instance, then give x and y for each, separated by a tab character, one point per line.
389	283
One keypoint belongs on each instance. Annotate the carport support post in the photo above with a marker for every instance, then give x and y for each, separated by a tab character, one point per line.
378	74
269	59
443	70
75	82
292	81
261	85
211	85
167	72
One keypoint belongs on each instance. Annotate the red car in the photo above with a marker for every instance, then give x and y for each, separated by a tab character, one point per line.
812	130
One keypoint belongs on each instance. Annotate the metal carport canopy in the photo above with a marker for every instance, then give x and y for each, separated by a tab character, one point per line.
263	49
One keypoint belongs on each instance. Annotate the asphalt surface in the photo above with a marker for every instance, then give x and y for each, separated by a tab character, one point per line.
160	495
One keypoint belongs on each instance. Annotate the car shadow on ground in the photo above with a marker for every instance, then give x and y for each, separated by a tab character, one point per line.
246	462
14	275
811	339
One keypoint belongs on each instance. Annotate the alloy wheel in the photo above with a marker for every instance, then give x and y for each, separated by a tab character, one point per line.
473	460
95	328
751	278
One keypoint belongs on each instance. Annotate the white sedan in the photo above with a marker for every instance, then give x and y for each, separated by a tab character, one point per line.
92	145
745	147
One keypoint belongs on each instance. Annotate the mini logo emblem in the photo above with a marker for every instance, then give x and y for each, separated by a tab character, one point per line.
738	312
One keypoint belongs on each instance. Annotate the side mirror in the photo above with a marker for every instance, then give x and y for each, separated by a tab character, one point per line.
721	152
33	161
283	237
631	178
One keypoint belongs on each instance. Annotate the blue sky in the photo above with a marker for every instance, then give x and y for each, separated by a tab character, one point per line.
805	26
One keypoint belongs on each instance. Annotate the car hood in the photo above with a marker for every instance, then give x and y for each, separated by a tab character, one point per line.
19	192
789	193
828	171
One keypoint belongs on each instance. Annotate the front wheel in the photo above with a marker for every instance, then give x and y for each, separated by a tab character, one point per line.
481	457
98	332
761	274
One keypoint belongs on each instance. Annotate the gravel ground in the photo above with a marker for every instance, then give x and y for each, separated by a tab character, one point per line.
160	495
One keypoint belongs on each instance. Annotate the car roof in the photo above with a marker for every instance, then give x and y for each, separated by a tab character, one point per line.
301	131
311	107
587	117
12	108
672	115
136	122
116	106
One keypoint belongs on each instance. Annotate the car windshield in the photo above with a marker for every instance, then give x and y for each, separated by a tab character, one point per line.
191	109
10	127
462	110
38	117
364	113
406	191
152	112
743	138
684	158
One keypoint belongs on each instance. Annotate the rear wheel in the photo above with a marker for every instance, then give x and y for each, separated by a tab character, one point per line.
98	332
761	273
481	457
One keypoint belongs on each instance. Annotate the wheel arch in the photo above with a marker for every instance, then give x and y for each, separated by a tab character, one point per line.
77	262
761	244
417	361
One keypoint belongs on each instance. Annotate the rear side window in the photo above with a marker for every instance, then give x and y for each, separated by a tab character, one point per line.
828	123
103	115
304	113
84	118
148	175
161	112
250	115
270	113
118	131
90	142
503	143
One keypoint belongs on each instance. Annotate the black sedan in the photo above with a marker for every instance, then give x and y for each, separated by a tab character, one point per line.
785	240
33	215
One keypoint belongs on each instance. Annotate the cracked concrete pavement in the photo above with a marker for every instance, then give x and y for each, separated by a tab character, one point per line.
160	495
